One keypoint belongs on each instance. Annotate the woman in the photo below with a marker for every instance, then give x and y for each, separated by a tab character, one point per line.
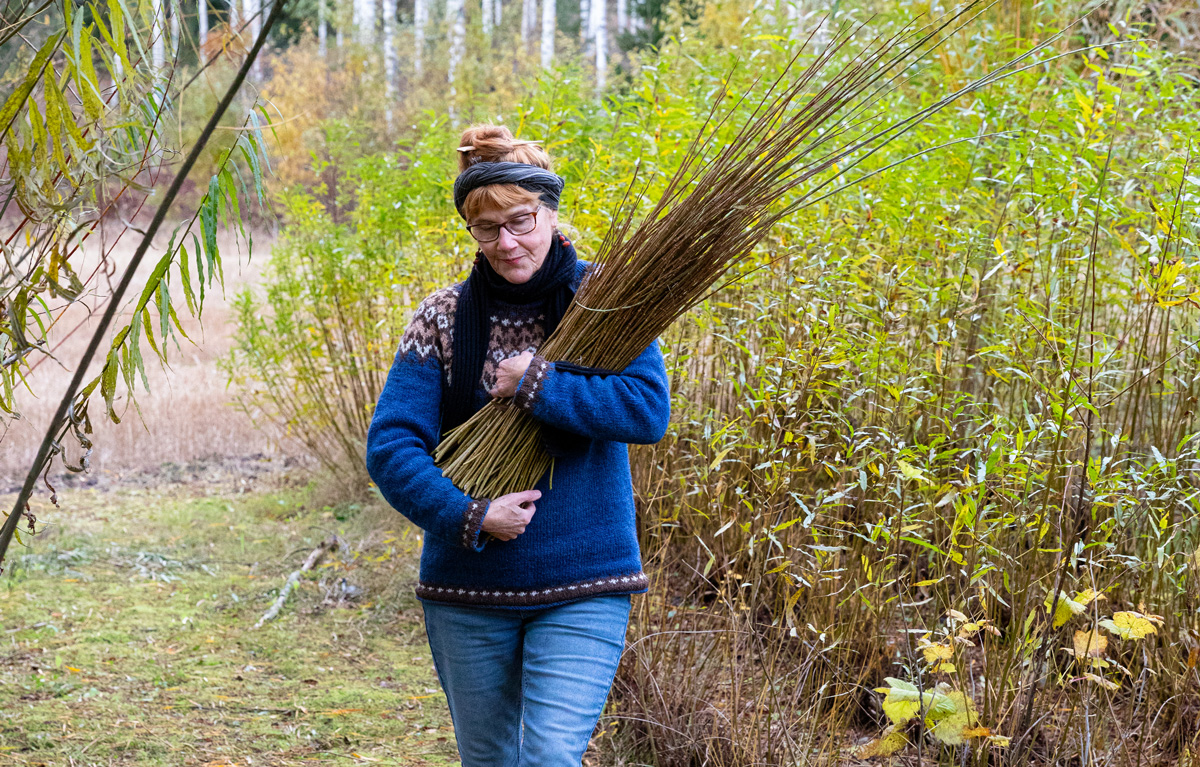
526	596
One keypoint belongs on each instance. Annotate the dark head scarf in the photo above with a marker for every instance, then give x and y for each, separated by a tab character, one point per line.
551	286
547	185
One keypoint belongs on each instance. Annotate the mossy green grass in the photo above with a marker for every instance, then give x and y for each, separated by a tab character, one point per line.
126	636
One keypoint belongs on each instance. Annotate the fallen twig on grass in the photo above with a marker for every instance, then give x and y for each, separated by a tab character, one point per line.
314	557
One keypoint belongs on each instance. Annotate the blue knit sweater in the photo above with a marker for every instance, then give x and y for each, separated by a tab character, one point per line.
582	540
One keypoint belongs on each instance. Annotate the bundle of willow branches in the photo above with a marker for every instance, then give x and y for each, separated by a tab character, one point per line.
719	205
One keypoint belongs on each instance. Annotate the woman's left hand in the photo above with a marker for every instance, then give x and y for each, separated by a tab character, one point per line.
509	373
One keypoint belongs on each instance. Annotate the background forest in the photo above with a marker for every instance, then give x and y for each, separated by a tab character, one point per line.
930	489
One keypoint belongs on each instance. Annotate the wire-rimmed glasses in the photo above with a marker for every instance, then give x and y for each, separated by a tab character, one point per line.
488	231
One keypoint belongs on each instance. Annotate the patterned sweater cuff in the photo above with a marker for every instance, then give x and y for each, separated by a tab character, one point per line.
473	524
532	384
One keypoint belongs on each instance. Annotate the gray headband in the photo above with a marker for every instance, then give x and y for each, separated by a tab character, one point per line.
548	185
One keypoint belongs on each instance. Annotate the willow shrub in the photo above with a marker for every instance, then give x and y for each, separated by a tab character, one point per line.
316	346
953	406
358	250
947	445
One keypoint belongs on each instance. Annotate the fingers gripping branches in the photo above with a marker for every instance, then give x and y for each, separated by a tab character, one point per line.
508	515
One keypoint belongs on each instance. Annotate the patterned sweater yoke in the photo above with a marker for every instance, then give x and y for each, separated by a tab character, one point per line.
514	330
582	539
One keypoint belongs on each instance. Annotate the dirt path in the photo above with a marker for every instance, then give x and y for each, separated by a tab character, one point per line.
126	635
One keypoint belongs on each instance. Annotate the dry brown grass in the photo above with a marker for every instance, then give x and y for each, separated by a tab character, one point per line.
189	411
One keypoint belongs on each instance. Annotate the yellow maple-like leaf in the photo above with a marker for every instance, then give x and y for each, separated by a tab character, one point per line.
904	701
937	652
1065	608
1131	625
887	744
968	630
1090	644
1087	596
951	729
900	711
977	732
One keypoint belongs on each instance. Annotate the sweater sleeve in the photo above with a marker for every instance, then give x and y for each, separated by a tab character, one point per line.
404	433
633	405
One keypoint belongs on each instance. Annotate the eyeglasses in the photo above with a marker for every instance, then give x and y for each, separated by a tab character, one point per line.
522	224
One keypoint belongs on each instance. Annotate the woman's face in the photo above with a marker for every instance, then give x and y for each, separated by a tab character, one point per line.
517	258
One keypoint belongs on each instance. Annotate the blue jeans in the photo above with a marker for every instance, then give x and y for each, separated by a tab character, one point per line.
526	687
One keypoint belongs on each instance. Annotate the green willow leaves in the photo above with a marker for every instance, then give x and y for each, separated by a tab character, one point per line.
84	146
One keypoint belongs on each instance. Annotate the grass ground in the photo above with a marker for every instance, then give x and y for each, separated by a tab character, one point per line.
126	634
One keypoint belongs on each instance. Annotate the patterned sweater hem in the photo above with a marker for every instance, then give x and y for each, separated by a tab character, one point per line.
633	583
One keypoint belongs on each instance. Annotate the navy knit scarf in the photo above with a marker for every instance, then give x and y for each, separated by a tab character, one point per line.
550	285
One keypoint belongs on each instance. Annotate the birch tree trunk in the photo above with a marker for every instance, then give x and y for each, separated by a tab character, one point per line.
389	59
457	16
528	22
600	40
366	21
235	18
622	16
498	11
322	30
549	27
158	48
202	24
253	10
420	18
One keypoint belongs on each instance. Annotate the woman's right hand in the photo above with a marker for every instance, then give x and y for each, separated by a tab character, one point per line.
507	515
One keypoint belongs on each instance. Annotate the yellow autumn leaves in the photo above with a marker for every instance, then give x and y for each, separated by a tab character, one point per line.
1065	608
1089	647
1131	625
1090	644
940	655
948	714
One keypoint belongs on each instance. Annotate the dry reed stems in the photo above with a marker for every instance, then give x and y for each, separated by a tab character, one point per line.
722	201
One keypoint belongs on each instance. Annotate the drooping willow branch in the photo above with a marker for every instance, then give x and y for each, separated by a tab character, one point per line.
60	423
